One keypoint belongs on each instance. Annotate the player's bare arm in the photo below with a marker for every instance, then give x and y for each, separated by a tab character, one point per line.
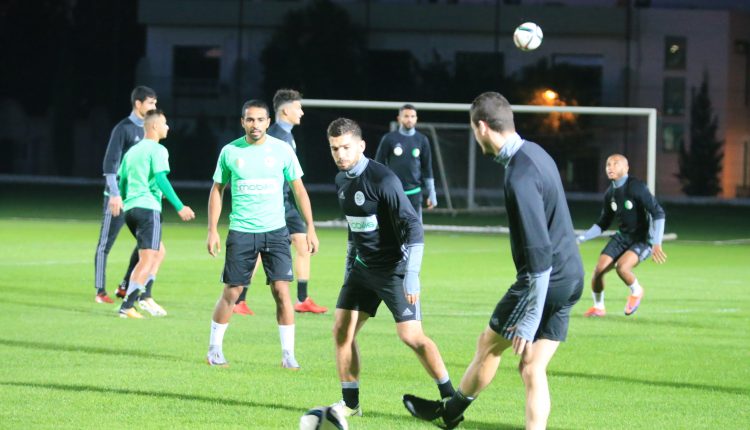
303	203
213	242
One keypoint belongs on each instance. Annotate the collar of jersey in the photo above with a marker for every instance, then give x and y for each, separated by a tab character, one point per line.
287	127
620	182
512	145
406	132
135	120
358	168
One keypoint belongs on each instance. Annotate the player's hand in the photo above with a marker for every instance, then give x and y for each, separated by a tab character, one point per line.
658	255
313	244
580	239
186	214
429	204
411	298
213	243
115	205
521	345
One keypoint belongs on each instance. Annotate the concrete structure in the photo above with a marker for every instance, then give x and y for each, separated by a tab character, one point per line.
641	52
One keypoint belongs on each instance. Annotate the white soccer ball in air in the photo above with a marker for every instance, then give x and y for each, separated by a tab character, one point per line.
323	418
528	36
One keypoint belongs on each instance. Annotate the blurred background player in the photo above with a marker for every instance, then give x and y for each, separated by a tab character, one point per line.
407	152
143	182
126	133
287	105
256	165
533	315
640	225
384	257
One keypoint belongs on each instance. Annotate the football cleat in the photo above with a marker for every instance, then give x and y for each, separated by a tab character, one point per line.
309	306
430	410
595	312
122	290
242	309
288	361
130	313
346	411
150	306
633	302
216	358
103	298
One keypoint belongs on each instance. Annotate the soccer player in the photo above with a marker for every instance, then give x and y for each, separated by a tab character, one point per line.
407	152
287	104
143	182
532	317
256	165
384	257
641	225
126	133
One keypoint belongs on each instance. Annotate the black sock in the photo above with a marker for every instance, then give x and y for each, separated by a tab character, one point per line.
147	294
242	296
129	301
101	291
301	290
456	406
446	389
351	397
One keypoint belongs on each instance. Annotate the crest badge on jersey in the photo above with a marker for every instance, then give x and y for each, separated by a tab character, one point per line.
613	205
628	205
240	163
415	152
359	198
398	150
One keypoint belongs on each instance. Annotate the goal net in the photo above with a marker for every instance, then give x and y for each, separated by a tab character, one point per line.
467	181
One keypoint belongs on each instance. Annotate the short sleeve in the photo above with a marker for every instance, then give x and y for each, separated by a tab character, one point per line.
222	173
160	160
292	168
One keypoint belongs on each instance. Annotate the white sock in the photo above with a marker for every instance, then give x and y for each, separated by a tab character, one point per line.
598	300
635	288
217	334
133	286
286	334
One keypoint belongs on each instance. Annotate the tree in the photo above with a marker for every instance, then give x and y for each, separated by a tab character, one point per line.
318	50
701	164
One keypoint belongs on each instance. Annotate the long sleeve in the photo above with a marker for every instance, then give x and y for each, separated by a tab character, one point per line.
113	155
169	193
381	156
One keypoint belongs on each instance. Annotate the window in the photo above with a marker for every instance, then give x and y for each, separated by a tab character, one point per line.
675	53
673	137
196	71
674	96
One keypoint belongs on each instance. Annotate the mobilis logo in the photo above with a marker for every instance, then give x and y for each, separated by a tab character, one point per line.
362	224
256	186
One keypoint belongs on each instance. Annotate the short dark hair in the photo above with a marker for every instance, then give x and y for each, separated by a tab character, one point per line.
253	103
407	107
495	110
284	96
141	93
341	126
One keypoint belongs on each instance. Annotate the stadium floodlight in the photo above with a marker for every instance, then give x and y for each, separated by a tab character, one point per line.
650	113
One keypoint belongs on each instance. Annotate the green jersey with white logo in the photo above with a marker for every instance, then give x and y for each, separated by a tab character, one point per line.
257	174
139	168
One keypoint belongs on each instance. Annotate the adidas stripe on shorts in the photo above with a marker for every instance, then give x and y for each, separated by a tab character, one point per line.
365	288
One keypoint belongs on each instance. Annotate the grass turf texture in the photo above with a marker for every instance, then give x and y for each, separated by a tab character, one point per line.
680	362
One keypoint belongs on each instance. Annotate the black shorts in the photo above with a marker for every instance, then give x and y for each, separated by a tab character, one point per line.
242	251
294	222
555	316
364	289
145	224
618	244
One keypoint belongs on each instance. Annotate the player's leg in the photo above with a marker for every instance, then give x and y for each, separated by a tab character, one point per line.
625	265
533	370
123	287
146	301
239	260
604	265
416	202
298	235
412	334
277	263
110	227
347	324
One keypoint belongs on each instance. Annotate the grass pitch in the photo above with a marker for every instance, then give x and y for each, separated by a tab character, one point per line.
682	361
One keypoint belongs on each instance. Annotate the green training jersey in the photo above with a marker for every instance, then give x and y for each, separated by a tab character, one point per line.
139	168
257	174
